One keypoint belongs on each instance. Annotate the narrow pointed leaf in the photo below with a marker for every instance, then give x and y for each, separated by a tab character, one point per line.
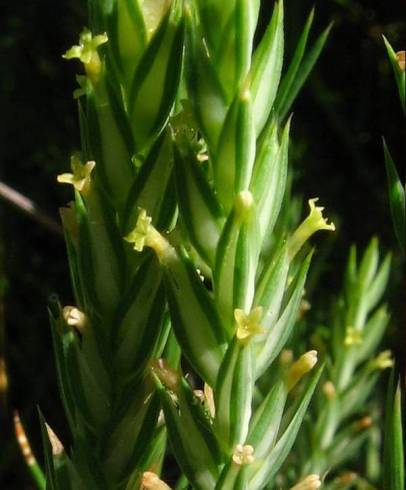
277	456
304	71
266	68
396	197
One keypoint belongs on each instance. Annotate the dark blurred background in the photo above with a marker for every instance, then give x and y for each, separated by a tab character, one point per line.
347	104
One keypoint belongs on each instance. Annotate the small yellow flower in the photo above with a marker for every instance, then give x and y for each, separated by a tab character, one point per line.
80	176
384	360
86	52
352	336
314	222
139	234
74	317
248	324
243	454
303	365
145	235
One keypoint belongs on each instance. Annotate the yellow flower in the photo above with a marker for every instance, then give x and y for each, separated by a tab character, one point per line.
243	454
145	235
314	222
248	324
86	52
383	360
311	482
353	336
80	176
151	481
303	365
139	234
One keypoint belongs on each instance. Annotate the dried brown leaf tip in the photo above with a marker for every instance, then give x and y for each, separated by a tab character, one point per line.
400	56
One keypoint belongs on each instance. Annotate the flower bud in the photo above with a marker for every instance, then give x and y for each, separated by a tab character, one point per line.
243	454
151	481
314	222
303	365
74	317
311	482
248	324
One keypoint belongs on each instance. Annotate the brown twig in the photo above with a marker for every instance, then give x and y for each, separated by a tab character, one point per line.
28	207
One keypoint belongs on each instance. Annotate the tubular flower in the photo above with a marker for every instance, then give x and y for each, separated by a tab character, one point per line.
353	336
303	365
314	222
243	454
248	324
384	360
145	235
74	317
80	176
86	52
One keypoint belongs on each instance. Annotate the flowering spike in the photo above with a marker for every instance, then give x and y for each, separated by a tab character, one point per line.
243	454
303	365
248	324
151	481
74	317
87	53
314	222
352	336
145	235
80	176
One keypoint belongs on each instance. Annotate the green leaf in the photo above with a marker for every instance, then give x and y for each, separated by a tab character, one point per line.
127	37
396	197
199	207
369	265
266	68
111	142
278	335
149	189
271	288
195	320
233	395
156	79
134	425
191	436
269	177
304	71
379	283
373	333
265	424
236	261
49	461
205	91
139	319
268	467
234	160
394	469
288	79
399	73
